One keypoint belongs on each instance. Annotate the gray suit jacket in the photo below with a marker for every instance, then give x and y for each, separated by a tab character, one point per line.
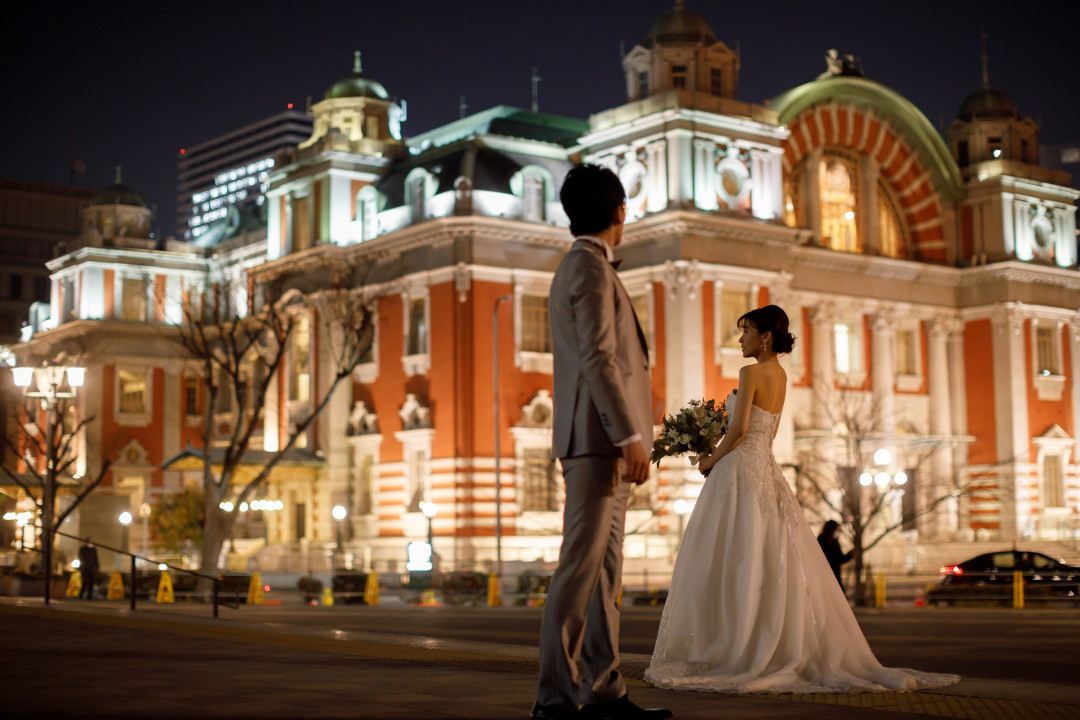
602	389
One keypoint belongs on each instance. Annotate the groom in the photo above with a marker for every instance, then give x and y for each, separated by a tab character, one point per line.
601	429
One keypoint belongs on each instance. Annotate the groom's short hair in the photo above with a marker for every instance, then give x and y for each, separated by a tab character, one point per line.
591	196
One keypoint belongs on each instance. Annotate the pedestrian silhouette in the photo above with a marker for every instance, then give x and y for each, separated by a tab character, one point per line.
829	540
88	568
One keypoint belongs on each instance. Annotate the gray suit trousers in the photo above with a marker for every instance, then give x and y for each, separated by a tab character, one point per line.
581	619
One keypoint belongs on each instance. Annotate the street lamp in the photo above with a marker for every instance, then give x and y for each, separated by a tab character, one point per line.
49	380
429	510
498	480
339	512
125	522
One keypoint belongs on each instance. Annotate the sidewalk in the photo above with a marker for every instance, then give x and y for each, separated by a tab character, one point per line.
80	660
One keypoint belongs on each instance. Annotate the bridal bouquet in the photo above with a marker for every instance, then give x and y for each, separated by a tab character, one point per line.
694	429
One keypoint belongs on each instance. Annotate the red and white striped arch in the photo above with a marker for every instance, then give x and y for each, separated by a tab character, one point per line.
858	130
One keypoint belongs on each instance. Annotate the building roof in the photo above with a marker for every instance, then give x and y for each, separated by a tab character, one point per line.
679	25
356	85
988	103
118	194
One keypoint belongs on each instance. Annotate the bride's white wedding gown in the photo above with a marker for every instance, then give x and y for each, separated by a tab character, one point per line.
753	605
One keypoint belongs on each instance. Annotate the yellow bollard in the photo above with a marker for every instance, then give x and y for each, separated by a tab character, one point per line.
879	590
74	584
116	587
255	590
327	596
1018	589
494	596
164	589
371	589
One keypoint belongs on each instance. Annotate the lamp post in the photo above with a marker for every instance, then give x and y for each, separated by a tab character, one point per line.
144	513
50	378
429	510
498	480
339	512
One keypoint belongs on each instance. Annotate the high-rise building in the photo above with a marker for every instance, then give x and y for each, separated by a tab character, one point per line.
231	169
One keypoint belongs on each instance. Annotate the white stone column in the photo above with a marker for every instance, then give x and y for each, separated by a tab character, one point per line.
704	166
173	420
869	172
958	416
821	364
761	191
658	171
940	420
883	372
1066	249
1074	374
683	335
1011	381
1021	235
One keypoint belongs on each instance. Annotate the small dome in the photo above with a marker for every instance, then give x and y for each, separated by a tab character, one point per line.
986	104
356	85
679	25
118	194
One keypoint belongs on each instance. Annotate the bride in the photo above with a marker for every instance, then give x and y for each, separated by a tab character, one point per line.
753	605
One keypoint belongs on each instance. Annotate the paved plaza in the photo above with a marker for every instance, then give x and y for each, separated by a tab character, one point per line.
101	660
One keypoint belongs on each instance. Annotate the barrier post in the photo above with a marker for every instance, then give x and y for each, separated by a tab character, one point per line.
132	582
879	590
1018	589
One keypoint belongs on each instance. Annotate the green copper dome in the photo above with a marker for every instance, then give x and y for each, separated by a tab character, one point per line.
356	85
679	25
988	103
118	194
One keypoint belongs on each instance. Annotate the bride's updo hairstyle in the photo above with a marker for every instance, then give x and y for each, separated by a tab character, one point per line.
770	319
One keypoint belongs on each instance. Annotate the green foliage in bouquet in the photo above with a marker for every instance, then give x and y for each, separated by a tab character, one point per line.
694	429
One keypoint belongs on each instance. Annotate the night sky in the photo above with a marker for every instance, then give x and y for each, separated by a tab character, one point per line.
126	83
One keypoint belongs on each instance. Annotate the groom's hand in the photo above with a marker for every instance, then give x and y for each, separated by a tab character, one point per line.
635	463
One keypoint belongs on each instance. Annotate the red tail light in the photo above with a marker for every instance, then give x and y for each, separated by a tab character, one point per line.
954	570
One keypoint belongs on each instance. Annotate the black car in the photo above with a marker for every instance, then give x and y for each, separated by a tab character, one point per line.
988	579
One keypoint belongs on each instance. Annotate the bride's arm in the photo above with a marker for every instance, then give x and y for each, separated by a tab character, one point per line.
737	423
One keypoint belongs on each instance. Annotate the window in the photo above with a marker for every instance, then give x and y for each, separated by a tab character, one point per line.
16	287
532	202
1024	151
1046	351
132	392
1053	490
301	230
962	153
418	330
847	340
539	488
69	300
678	77
907	349
133	299
643	84
717	82
839	221
367	212
223	401
191	396
300	360
535	324
734	304
364	474
417	473
41	289
890	232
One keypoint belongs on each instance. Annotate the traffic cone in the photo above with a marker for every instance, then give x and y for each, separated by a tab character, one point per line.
255	590
116	587
428	599
164	589
371	589
494	596
327	596
74	584
920	597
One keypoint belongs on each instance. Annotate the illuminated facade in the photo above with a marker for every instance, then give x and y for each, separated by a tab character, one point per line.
930	276
232	170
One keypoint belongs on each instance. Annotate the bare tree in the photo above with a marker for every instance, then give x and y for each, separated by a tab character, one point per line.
238	343
829	473
43	452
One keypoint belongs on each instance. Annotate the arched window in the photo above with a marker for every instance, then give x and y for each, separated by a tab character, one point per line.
839	180
891	241
367	212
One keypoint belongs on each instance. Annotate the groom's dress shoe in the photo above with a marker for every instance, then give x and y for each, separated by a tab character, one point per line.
623	709
553	712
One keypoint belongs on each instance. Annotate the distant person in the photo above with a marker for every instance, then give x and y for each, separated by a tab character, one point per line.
88	569
829	540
